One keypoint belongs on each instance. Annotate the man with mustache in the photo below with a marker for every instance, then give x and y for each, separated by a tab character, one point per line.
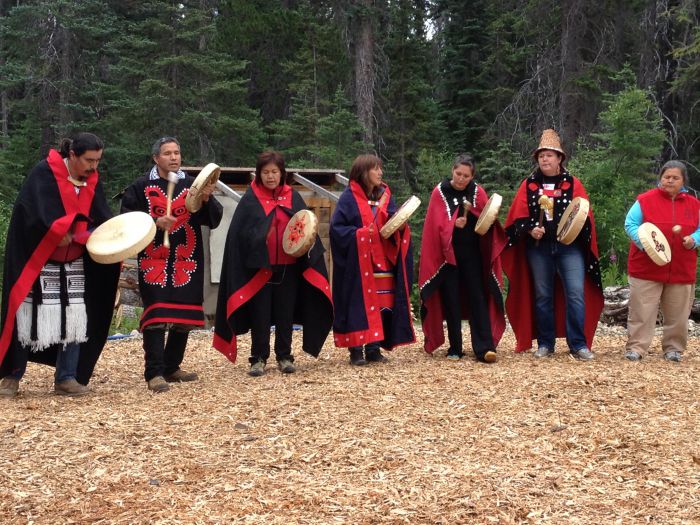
57	303
171	274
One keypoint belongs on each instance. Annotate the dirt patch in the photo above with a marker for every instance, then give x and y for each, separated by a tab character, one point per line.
418	440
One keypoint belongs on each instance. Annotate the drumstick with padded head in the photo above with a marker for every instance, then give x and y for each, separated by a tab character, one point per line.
545	204
172	180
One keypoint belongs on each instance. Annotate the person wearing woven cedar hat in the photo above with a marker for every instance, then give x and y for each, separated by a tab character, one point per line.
675	212
171	268
555	288
460	271
261	285
372	276
57	302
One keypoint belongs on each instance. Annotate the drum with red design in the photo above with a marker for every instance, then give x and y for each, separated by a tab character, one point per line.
384	286
300	234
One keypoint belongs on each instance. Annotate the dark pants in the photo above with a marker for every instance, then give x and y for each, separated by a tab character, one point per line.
369	348
274	305
466	278
163	358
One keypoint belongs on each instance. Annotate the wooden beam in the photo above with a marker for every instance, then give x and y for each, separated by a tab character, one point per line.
342	179
228	191
315	187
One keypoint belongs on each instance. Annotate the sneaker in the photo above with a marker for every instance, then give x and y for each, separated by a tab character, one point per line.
375	356
180	376
584	354
673	356
157	384
286	366
71	388
454	357
9	386
257	369
357	358
543	351
631	355
489	357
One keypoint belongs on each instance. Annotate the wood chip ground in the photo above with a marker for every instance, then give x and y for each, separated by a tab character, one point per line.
418	440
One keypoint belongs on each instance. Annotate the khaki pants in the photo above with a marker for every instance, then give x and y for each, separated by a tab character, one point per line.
676	301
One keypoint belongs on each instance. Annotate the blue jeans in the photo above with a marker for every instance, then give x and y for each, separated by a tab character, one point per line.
547	260
67	362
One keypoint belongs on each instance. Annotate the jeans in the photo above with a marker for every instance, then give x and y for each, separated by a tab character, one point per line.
67	362
547	260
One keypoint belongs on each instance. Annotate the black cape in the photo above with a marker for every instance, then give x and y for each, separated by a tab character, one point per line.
246	269
39	221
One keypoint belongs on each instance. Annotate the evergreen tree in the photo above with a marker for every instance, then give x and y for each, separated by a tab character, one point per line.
619	166
168	80
410	116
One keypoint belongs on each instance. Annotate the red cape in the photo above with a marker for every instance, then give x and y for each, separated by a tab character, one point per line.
437	250
521	296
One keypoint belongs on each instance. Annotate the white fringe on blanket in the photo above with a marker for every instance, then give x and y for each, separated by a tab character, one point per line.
49	311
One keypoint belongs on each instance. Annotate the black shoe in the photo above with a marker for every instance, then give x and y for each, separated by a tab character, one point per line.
357	358
375	356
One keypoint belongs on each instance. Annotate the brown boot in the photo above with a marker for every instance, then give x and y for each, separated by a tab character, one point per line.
157	384
9	386
71	388
180	376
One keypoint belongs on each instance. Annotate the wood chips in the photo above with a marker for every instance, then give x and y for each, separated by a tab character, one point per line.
418	440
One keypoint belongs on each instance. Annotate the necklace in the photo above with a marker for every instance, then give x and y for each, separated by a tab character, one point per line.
73	180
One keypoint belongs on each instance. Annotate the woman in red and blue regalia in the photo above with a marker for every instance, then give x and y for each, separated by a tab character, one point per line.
372	276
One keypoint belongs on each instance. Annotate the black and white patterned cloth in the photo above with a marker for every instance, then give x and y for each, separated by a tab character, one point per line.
58	315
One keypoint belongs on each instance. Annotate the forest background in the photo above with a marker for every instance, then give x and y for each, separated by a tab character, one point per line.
414	81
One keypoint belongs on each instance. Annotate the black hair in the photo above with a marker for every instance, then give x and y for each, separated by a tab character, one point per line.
80	144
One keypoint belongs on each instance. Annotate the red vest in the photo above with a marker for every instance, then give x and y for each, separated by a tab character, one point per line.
660	209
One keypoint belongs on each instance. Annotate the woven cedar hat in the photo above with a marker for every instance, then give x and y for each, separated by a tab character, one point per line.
549	140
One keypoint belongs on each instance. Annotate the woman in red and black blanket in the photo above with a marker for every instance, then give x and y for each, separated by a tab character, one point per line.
372	276
554	289
460	271
261	285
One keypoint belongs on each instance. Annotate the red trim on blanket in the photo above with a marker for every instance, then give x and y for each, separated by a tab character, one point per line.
228	348
29	274
247	291
177	320
318	281
172	306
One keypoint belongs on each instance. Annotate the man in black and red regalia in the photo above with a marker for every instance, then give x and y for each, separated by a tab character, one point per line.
171	279
56	301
